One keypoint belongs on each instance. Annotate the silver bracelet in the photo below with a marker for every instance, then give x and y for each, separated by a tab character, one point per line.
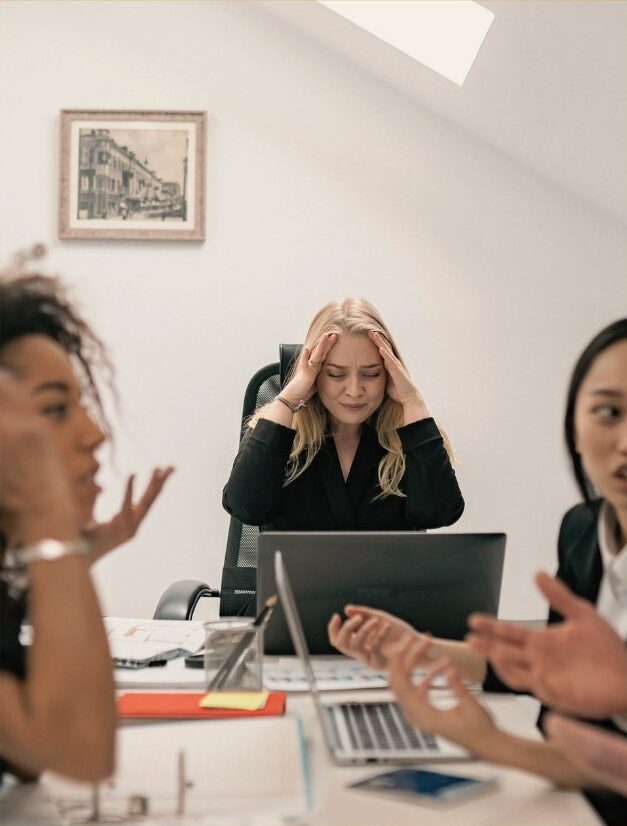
14	566
293	407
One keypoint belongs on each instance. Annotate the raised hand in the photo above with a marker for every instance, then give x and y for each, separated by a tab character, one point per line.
400	386
578	665
105	536
302	385
368	634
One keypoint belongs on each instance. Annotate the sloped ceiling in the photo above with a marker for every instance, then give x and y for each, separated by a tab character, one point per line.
548	89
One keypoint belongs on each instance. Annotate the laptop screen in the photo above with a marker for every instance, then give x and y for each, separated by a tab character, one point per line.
294	624
432	581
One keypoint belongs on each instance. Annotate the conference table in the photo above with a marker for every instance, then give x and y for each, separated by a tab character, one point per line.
517	800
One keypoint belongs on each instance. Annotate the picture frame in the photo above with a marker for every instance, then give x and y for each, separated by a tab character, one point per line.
132	175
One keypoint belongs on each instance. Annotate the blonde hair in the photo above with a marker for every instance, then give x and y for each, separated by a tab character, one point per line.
352	316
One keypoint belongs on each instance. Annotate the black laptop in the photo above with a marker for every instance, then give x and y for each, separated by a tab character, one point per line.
433	581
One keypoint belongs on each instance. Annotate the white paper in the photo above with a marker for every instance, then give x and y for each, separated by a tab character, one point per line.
287	674
138	639
232	766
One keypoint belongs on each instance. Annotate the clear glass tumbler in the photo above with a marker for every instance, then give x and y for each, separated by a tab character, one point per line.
222	638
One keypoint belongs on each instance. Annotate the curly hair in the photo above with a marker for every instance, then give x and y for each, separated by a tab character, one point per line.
36	304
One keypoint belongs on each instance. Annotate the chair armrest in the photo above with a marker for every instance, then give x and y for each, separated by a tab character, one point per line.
179	600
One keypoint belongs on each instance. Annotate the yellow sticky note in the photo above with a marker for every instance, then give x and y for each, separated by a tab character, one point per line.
241	700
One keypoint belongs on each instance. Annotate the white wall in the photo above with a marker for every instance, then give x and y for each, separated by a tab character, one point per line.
321	183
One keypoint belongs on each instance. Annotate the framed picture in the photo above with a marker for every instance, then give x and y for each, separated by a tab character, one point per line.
132	175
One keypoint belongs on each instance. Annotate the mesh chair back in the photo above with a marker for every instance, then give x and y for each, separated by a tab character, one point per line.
239	575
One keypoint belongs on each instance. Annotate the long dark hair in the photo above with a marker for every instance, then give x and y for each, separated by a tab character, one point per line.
606	338
35	304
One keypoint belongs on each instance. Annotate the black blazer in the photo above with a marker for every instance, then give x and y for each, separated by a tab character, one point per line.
321	500
581	568
579	565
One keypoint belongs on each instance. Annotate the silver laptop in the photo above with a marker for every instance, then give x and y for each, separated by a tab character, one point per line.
360	732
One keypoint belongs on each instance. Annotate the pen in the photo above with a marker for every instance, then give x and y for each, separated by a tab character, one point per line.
229	666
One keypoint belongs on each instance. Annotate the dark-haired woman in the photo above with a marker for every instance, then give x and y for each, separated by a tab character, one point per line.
592	551
56	700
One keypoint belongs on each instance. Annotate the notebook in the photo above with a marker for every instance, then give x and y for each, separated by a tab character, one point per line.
145	706
361	732
216	772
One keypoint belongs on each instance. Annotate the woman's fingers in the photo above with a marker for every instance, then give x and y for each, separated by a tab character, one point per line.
127	501
331	341
333	628
348	628
490	628
355	636
320	350
389	359
455	682
359	640
410	653
413	698
560	597
516	677
366	612
153	489
416	651
510	660
305	355
377	636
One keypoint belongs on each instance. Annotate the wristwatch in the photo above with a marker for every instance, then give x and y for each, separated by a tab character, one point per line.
14	565
293	407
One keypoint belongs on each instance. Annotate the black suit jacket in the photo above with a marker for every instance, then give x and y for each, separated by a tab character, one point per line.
579	565
320	499
581	568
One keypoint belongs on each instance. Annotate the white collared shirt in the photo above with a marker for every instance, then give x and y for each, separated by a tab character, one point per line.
612	599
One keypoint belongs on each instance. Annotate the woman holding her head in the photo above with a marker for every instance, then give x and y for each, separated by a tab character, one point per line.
592	554
56	699
349	443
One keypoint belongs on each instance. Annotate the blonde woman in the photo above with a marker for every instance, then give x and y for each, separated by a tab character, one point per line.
349	443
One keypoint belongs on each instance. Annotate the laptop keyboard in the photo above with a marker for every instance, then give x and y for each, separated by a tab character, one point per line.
382	727
345	675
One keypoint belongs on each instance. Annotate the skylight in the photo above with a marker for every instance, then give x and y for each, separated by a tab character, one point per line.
444	35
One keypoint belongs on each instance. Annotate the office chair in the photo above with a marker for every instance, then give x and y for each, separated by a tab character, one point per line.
239	573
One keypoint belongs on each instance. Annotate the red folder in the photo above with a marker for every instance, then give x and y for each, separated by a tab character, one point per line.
138	706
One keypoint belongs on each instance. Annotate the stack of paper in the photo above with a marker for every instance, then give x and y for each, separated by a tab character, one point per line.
137	642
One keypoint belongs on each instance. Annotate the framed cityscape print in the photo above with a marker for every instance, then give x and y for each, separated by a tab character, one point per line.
132	175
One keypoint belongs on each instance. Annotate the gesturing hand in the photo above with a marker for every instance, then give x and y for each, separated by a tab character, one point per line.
302	385
400	386
467	723
368	634
105	536
578	665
